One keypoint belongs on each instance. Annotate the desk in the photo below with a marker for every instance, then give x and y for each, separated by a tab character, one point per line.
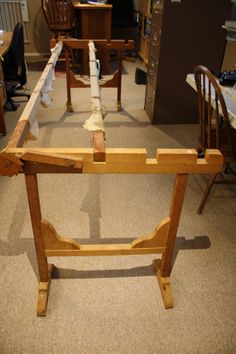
229	96
6	38
94	23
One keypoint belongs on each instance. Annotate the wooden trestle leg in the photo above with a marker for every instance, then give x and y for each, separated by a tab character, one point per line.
43	267
163	267
119	82
68	83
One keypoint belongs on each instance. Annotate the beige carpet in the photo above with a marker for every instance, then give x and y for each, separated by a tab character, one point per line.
106	305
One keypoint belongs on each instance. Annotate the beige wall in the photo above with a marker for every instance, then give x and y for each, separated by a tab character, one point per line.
38	31
136	4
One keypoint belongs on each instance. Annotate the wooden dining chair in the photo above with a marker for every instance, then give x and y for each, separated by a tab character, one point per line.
60	17
216	131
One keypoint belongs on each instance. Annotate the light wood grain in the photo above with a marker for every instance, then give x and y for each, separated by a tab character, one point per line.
157	238
52	159
43	294
134	160
165	286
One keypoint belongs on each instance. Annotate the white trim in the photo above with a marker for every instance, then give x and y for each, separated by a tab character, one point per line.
35	54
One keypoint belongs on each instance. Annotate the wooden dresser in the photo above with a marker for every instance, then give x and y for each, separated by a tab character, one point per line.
183	34
94	22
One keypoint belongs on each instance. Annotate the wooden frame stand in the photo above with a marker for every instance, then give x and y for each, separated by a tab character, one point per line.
120	46
49	243
16	159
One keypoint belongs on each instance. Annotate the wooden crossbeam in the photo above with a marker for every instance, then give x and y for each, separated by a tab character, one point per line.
118	44
55	245
123	160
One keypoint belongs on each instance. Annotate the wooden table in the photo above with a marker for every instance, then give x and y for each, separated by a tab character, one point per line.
6	38
229	95
94	23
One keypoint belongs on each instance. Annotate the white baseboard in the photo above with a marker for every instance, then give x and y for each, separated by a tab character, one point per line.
36	54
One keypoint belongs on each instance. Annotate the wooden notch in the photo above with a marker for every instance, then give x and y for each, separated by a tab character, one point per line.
174	156
131	160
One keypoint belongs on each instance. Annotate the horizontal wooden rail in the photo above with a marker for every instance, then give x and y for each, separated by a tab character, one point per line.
118	44
28	117
179	161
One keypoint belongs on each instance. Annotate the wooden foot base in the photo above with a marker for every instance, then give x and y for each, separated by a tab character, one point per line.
165	286
69	107
44	288
119	108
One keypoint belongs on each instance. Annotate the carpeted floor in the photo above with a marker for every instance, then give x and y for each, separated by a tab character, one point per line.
106	305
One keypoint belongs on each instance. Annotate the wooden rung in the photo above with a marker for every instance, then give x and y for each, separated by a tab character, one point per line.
104	250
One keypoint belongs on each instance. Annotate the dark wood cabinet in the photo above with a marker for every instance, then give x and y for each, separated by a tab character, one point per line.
183	34
94	22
